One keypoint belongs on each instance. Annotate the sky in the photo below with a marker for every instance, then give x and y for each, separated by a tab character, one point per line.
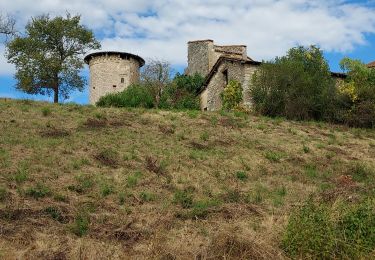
161	29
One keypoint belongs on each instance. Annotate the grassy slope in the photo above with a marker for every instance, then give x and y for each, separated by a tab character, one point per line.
186	184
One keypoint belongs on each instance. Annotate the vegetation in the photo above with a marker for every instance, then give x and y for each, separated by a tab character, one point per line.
136	183
357	94
180	93
297	86
232	95
7	25
48	56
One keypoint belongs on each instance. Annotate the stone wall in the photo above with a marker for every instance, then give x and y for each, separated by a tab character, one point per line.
236	70
111	74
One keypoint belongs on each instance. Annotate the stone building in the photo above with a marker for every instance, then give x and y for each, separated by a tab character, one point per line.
219	65
112	72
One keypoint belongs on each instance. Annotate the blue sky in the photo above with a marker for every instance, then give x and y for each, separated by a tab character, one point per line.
160	29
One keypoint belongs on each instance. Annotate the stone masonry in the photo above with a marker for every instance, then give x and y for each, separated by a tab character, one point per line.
112	72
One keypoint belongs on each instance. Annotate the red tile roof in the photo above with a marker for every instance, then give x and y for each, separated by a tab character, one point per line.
371	64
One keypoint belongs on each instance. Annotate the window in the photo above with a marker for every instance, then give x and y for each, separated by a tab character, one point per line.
93	87
114	86
122	80
225	73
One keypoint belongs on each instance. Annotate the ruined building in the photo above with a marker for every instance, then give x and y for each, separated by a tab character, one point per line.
112	72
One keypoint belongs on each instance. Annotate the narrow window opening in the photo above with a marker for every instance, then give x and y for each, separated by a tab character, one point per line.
205	109
93	87
225	73
122	80
114	86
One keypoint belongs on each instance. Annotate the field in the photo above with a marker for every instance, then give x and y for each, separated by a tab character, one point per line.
80	182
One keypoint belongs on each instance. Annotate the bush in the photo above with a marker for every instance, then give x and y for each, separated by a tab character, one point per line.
231	96
297	86
181	92
133	96
316	231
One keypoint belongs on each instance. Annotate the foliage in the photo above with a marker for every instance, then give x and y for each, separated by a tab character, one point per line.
48	56
155	75
181	92
81	223
134	96
297	86
232	95
317	231
358	94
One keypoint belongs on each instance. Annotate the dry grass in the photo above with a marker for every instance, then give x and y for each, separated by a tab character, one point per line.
111	176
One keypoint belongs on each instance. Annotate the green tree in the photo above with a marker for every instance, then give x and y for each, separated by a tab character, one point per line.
298	86
358	93
48	57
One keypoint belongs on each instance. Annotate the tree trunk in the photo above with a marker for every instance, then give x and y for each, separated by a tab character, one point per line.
56	95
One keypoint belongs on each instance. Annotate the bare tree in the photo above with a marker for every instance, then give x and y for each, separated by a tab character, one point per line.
7	25
156	75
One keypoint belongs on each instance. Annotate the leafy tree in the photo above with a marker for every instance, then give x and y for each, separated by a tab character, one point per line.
181	92
156	76
232	95
358	93
48	57
298	86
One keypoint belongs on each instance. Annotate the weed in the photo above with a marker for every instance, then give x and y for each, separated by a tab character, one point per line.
84	183
147	196
311	171
362	172
3	193
46	111
154	166
81	223
108	157
132	180
106	188
54	213
78	163
274	156
243	176
60	197
184	198
204	136
21	174
193	113
38	191
306	149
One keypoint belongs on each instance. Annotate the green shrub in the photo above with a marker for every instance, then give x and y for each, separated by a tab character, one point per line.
181	92
231	96
297	86
133	96
319	231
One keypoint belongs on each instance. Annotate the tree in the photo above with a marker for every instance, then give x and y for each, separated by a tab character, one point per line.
156	75
358	93
298	86
7	25
48	58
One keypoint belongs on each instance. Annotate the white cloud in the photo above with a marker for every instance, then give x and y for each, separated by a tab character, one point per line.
161	29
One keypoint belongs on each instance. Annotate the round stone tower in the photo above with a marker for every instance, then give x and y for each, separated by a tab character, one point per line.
112	72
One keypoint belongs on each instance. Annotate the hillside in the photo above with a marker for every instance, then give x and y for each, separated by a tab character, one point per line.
79	182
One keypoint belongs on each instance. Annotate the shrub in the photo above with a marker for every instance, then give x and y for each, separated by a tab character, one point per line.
181	92
297	86
46	111
231	96
133	96
241	176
